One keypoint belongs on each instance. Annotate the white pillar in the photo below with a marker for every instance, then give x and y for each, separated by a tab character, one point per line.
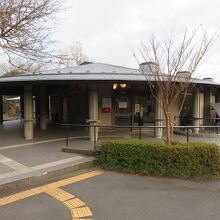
158	133
43	107
93	109
196	111
28	112
207	106
1	109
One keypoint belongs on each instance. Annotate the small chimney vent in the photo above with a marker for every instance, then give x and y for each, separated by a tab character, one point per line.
149	67
183	74
210	79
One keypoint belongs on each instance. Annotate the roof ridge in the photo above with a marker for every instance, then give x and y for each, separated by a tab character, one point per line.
113	65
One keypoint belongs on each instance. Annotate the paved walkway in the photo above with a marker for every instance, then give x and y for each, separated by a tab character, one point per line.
20	158
32	160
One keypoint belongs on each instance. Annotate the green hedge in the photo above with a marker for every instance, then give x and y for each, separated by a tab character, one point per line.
186	160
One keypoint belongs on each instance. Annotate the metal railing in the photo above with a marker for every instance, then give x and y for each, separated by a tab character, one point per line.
133	127
190	120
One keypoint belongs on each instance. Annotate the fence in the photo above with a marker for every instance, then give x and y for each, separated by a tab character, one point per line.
190	120
140	129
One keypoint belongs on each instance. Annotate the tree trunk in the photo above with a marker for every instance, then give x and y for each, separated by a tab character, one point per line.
167	118
169	129
171	132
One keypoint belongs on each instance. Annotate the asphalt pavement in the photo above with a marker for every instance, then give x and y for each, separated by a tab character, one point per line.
112	195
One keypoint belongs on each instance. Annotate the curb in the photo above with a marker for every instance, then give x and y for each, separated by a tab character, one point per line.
43	176
79	151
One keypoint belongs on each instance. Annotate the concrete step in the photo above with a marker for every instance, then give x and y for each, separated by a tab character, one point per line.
19	179
79	151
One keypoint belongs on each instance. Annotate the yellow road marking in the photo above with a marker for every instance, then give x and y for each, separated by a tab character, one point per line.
70	201
39	190
74	203
73	179
8	199
81	212
24	194
60	194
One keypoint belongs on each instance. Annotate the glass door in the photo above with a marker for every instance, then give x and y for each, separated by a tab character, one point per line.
122	110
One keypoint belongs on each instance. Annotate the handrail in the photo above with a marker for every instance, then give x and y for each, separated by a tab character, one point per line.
140	128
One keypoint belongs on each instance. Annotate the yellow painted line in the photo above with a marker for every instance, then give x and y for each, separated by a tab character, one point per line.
39	190
74	179
74	203
71	203
8	199
24	194
42	189
76	206
81	212
60	194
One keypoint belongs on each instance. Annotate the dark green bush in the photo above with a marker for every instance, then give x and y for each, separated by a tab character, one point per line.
186	160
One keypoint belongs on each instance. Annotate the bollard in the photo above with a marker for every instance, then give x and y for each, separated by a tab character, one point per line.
67	136
94	126
187	134
140	135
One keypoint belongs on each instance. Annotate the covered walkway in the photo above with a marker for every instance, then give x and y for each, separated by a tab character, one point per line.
20	158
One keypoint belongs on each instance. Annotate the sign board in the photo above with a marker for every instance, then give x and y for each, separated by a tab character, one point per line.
137	108
106	105
122	104
106	102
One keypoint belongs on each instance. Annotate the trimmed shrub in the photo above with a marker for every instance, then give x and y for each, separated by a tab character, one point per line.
185	160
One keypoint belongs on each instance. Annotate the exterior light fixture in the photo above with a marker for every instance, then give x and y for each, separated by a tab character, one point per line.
115	86
123	85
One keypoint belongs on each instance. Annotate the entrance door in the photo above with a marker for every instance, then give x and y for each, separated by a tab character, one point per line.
122	110
144	109
78	104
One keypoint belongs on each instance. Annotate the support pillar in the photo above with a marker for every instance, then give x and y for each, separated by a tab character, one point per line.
158	132
22	106
28	112
93	109
196	110
37	105
217	98
43	107
1	110
65	109
207	105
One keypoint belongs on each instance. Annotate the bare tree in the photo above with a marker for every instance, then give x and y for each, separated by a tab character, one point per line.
73	55
173	63
20	68
24	29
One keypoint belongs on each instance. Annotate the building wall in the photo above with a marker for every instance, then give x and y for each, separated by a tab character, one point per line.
77	96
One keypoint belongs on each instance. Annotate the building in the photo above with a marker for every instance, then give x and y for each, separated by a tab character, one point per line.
114	95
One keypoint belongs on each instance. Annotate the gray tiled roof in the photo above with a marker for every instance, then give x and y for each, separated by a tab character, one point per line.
93	68
89	72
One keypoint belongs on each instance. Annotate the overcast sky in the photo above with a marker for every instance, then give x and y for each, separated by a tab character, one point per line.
108	28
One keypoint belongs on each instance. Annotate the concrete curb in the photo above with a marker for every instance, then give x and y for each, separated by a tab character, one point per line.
79	151
197	135
21	183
